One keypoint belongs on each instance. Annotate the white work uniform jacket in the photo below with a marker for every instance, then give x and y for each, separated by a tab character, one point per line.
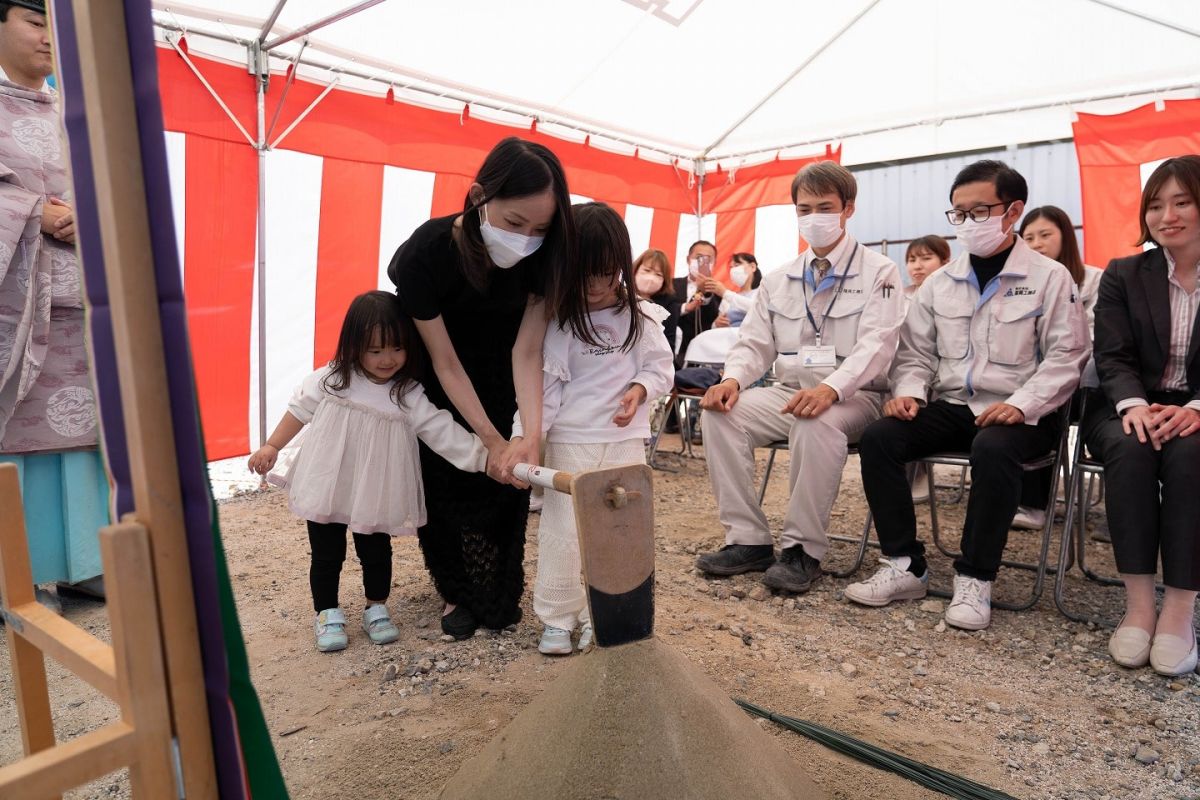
1021	340
858	307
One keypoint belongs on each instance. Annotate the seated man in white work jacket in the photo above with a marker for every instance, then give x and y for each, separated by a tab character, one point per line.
829	321
999	336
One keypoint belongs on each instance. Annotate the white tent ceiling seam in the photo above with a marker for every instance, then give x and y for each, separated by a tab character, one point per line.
673	76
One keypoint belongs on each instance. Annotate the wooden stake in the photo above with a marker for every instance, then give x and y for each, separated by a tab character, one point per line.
129	267
16	586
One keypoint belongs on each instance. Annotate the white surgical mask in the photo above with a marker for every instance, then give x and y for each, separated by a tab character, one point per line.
506	248
982	238
820	230
738	274
648	283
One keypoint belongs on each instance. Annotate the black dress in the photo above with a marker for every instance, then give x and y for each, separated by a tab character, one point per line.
474	539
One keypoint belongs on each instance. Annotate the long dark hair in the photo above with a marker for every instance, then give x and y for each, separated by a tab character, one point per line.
1068	256
367	313
604	250
519	168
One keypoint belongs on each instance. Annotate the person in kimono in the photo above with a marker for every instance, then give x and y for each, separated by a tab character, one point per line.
48	421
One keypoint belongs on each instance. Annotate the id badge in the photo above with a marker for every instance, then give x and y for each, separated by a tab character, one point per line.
818	356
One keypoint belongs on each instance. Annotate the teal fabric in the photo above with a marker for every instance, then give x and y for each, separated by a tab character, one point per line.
65	496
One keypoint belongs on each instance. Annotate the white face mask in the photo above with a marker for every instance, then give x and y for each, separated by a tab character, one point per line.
983	238
506	248
820	230
739	274
648	283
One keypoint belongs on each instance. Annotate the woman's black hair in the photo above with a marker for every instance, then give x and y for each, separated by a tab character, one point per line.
367	313
519	168
748	258
604	250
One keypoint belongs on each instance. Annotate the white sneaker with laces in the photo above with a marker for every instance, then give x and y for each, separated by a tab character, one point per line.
888	584
555	642
585	637
971	607
1029	519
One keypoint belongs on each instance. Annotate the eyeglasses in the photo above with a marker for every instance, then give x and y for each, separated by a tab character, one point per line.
979	213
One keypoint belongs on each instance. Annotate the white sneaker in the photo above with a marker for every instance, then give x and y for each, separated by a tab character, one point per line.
1029	519
330	627
535	502
971	607
585	637
555	642
888	584
378	624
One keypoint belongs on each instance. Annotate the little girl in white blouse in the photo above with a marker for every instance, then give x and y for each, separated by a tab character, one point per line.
602	360
357	466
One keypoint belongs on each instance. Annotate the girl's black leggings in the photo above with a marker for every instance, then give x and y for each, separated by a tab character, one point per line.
328	544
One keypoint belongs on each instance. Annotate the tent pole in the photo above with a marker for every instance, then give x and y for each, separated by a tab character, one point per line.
700	198
321	23
270	23
258	64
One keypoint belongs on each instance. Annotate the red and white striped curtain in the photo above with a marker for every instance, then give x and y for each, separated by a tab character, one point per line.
345	189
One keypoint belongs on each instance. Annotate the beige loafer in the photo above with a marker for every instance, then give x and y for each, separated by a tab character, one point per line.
1129	646
1172	655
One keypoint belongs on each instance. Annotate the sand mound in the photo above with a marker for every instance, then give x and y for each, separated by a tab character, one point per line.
636	722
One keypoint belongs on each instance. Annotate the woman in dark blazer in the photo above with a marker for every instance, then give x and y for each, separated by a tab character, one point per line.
1147	429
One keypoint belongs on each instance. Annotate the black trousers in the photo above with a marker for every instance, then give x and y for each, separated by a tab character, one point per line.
328	544
997	453
1152	497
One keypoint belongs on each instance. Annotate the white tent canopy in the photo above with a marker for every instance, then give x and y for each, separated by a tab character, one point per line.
739	80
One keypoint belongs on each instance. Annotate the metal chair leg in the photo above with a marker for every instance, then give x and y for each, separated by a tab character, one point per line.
762	489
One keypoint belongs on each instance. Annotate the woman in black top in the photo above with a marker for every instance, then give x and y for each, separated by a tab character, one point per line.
653	278
482	286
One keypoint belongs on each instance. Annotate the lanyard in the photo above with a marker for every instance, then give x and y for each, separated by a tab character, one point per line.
808	310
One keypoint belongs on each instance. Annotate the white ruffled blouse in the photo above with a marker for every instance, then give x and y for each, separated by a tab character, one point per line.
356	462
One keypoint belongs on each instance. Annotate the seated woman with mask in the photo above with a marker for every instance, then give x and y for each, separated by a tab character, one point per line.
652	276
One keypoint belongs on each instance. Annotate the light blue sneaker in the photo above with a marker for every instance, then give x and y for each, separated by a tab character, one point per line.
330	627
585	637
555	642
379	625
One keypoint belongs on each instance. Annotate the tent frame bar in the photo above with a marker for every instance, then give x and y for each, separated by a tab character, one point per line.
270	23
305	112
314	26
1147	17
782	84
842	136
398	81
204	82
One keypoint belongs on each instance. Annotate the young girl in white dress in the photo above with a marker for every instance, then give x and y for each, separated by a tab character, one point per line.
357	466
599	369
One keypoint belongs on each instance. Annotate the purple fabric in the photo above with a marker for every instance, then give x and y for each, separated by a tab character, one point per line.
185	414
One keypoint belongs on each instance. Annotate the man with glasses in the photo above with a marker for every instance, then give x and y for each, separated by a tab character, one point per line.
829	321
999	337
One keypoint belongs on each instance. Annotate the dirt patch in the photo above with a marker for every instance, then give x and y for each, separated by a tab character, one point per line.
1032	706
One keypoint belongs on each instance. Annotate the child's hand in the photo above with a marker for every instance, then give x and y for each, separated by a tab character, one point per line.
633	397
263	459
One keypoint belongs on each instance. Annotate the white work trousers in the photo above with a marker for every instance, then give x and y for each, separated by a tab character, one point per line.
558	593
818	455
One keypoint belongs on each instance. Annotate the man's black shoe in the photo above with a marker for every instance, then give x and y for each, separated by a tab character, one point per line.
459	623
734	559
795	571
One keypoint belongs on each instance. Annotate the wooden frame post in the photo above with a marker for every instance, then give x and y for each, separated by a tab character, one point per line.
130	671
129	267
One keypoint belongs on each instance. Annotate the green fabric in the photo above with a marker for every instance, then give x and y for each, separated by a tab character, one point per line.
263	774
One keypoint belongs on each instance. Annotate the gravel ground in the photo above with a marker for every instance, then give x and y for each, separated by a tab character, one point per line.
1032	706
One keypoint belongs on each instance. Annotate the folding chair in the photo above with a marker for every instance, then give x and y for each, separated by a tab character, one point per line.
706	350
1056	458
862	541
1079	502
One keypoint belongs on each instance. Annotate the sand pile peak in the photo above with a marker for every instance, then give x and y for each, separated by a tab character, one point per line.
635	722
